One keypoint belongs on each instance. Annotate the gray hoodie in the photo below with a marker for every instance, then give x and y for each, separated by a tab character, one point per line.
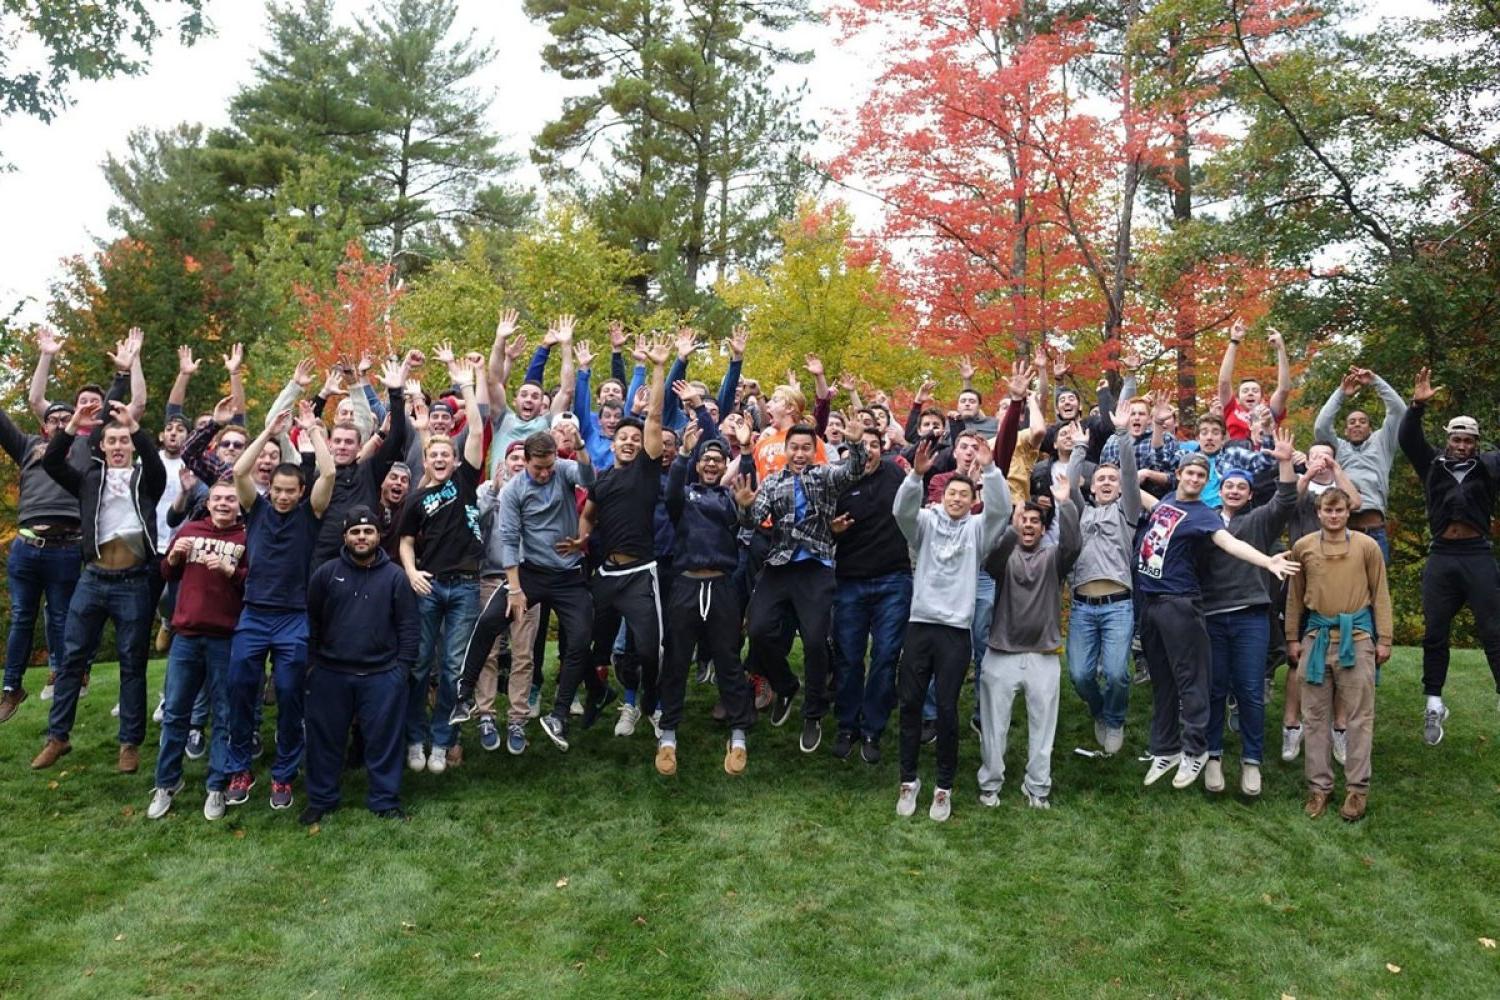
1108	529
947	554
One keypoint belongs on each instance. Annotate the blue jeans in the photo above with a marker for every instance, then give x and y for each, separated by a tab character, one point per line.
450	611
197	667
1099	651
869	613
283	636
125	599
32	573
979	631
1238	640
1378	533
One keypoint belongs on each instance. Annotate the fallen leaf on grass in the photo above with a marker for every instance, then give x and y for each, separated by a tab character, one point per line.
52	786
127	811
639	921
1487	942
562	883
661	953
475	955
119	937
313	831
1392	967
1287	996
62	774
239	834
407	925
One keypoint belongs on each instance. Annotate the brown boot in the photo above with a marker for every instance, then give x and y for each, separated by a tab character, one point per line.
1353	808
1317	804
163	636
10	700
130	759
455	756
51	751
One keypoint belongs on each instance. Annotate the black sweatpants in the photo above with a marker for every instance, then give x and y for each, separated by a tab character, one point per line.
492	625
634	597
1178	654
1458	573
705	610
570	600
802	592
932	652
377	702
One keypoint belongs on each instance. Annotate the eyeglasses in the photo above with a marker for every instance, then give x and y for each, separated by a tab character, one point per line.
235	445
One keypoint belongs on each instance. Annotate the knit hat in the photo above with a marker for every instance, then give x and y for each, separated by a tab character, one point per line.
1237	474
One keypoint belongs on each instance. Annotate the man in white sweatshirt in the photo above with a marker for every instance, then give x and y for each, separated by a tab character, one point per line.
948	546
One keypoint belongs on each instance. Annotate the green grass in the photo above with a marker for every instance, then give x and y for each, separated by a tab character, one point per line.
797	880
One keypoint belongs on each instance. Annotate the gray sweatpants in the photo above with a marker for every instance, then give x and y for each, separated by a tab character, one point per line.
1001	677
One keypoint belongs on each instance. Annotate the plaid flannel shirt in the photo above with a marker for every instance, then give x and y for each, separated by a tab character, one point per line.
1163	459
822	485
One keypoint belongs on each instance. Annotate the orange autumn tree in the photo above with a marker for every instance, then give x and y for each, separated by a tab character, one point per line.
354	316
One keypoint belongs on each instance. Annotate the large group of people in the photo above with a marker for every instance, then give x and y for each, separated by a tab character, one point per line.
397	553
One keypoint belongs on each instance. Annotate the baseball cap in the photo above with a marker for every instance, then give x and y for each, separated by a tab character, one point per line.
1193	458
57	408
714	445
1463	425
360	515
1237	474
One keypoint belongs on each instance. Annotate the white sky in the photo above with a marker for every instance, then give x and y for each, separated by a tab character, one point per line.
55	198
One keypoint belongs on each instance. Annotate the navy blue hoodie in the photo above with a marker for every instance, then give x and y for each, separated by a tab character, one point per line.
361	619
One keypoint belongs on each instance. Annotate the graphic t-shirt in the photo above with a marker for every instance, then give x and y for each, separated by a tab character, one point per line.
1167	561
444	519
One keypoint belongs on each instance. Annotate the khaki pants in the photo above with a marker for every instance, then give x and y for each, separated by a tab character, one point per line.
1353	689
521	638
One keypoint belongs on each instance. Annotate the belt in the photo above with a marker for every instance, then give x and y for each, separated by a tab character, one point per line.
455	577
37	541
130	572
1123	595
1363	519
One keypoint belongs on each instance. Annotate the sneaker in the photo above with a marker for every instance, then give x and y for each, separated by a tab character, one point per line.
463	711
1213	774
942	805
281	794
812	735
534	703
197	745
764	695
929	731
655	719
734	760
869	750
1250	780
705	672
213	806
1160	766
437	761
416	757
596	705
83	689
1142	674
114	712
311	815
1189	770
906	804
238	792
395	813
515	739
129	760
976	725
1340	745
577	707
556	730
1291	743
257	748
1432	727
843	744
161	801
489	733
160	711
51	751
990	800
1036	801
1101	732
629	716
1114	739
11	700
1234	715
666	760
49	687
781	706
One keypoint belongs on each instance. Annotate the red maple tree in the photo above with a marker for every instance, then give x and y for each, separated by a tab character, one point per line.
355	315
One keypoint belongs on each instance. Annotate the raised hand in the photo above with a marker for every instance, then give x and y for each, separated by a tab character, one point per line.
690	396
1237	331
444	354
658	353
583	355
565	324
965	367
515	348
1060	367
123	355
686	342
739	339
984	455
744	494
1130	360
419	416
280	423
814	365
120	413
848	382
922	458
550	337
86	412
186	363
792	380
507	323
638	352
234	358
742	432
1422	391
394	375
1350	383
224	410
690	435
924	393
1062	492
1282	566
303	376
365	364
617	335
1364	375
1021	375
1274	337
415	360
333	385
1284	447
1161	407
47	341
306	418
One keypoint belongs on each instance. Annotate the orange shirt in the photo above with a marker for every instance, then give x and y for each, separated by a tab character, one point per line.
770	453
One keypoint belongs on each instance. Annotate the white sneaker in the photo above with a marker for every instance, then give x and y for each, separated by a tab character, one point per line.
656	723
161	709
437	761
577	707
213	806
1161	766
1213	775
1114	739
1291	743
1340	745
161	801
989	799
114	713
942	804
1036	801
1250	779
1432	725
1188	772
629	716
906	805
415	758
1101	732
47	690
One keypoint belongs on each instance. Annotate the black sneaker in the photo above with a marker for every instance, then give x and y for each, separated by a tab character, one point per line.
869	750
844	744
256	748
238	792
782	706
594	706
705	672
929	731
312	814
812	734
556	730
197	746
975	725
394	812
463	710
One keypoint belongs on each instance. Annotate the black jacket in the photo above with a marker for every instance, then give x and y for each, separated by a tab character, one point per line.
148	481
1456	491
873	545
706	519
361	619
359	483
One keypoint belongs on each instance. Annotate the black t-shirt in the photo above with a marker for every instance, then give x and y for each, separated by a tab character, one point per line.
624	508
444	519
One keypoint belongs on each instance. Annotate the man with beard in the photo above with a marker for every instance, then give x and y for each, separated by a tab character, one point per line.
1365	454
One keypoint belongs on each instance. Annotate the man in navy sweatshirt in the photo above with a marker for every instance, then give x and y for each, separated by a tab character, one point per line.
362	639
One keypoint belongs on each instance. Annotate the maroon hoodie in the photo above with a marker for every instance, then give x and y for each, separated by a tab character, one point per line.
208	602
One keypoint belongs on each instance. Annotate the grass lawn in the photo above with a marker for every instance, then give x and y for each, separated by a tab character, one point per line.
586	874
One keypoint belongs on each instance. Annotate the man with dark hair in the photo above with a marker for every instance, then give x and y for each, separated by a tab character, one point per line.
1242	405
1364	453
280	531
362	641
357	481
1461	485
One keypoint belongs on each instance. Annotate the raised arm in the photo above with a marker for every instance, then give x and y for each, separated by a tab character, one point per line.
322	488
997	504
36	395
651	443
1283	375
467	378
1395	406
187	367
1280	565
1323	429
233	364
244	468
500	358
1413	441
1226	366
738	339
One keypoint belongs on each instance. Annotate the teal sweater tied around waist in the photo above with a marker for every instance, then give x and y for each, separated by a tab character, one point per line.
1347	624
